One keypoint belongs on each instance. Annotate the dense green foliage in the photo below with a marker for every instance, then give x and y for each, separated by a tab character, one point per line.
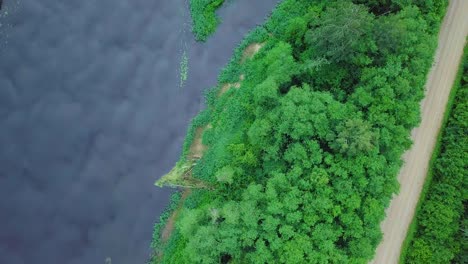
204	17
440	231
304	155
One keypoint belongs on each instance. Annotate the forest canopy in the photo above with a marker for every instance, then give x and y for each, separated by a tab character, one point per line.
302	157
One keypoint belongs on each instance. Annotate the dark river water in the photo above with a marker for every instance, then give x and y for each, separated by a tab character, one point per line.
91	114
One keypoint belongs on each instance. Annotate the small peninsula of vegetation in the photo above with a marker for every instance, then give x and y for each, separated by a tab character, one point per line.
204	17
439	231
296	156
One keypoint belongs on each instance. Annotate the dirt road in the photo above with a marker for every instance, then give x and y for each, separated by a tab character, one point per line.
440	80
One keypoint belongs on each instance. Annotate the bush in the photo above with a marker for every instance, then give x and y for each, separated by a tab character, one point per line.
204	17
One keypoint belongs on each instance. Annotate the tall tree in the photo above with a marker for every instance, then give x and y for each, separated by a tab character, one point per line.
354	136
342	32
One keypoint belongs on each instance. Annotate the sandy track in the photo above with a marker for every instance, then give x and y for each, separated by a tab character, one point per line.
440	80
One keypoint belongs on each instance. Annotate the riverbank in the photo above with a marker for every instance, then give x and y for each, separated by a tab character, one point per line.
305	151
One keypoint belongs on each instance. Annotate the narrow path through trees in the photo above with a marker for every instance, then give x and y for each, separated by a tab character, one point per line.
452	38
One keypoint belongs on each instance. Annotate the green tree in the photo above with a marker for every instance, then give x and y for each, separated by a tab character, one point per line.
355	136
342	32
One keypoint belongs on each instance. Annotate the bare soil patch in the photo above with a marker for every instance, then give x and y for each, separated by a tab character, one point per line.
197	148
251	50
228	86
169	227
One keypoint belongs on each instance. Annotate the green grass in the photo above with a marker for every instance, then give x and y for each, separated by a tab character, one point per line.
412	229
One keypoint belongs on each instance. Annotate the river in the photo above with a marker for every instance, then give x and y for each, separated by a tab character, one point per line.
91	114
